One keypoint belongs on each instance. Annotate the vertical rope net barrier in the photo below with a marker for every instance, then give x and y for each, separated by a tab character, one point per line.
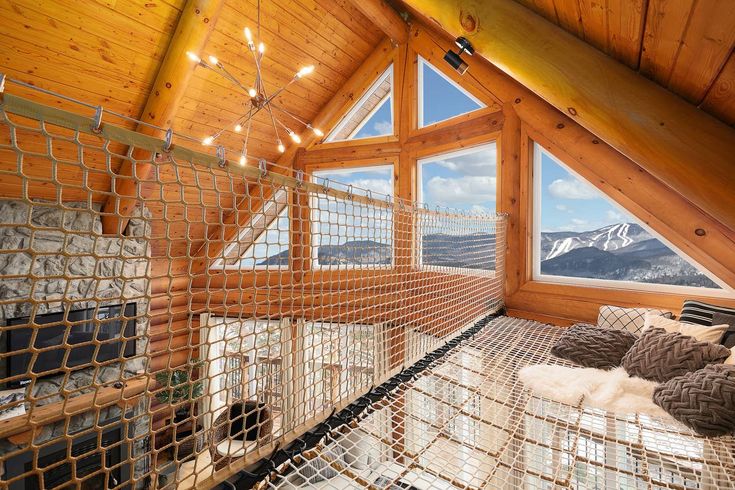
170	318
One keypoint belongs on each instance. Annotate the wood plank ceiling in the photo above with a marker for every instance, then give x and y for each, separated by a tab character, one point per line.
683	45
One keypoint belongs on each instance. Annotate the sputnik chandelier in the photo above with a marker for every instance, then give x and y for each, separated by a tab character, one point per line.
259	100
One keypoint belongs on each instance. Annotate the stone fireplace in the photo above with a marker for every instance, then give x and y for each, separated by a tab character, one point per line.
92	270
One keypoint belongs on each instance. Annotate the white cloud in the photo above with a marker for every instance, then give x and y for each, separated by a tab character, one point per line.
579	222
383	127
479	209
451	192
572	189
480	163
376	186
614	216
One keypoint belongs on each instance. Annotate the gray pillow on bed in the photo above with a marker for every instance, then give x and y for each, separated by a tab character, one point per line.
703	400
728	339
592	346
660	356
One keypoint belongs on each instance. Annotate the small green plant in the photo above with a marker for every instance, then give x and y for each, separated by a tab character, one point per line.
177	386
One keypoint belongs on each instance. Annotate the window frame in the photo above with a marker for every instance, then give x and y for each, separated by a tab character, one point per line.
348	167
535	266
389	72
420	123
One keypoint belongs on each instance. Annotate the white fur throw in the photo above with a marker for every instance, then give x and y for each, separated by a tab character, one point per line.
612	390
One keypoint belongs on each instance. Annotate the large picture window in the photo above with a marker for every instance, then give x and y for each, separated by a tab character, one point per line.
464	181
347	233
580	235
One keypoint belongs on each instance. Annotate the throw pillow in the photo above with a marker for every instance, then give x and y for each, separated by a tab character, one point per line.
728	340
659	355
700	332
630	319
593	347
703	400
701	313
731	360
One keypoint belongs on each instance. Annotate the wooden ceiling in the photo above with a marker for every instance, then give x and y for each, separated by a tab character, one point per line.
108	52
683	45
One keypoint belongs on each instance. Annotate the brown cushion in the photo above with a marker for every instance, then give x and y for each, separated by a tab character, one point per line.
728	339
595	347
703	400
659	356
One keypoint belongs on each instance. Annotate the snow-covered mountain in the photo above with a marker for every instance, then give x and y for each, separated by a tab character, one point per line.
623	251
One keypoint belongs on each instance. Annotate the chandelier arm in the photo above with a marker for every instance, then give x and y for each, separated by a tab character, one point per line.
290	114
229	76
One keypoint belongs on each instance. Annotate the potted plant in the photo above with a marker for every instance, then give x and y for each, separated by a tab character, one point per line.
177	387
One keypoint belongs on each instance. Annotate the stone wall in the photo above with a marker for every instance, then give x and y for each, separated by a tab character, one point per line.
53	258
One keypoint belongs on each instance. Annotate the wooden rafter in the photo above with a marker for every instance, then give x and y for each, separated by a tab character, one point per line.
196	23
670	138
385	18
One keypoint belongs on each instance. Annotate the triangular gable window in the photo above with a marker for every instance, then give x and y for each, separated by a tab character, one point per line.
372	115
440	98
581	235
264	242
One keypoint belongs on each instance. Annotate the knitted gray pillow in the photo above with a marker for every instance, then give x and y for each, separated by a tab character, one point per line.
594	347
703	400
659	356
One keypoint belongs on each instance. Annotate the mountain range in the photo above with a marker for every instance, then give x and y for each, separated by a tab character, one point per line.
623	251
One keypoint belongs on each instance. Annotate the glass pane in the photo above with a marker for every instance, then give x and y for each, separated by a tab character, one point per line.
372	114
349	233
441	98
583	234
271	248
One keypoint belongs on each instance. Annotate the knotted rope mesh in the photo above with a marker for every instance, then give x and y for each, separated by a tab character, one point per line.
170	318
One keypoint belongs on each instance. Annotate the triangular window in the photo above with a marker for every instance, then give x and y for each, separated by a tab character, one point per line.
372	115
264	242
581	235
440	98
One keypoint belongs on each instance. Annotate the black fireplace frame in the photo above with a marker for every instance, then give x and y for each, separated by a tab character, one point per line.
120	455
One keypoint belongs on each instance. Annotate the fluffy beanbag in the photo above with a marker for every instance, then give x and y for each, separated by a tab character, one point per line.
659	356
703	400
593	347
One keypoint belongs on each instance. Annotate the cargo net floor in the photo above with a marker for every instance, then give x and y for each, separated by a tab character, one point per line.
468	422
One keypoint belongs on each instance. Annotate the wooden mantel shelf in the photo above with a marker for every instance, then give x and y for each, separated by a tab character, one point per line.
19	429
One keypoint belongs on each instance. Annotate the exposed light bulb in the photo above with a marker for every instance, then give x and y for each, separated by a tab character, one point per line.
318	132
281	148
261	48
214	60
208	140
243	160
252	93
238	128
304	71
294	137
248	35
193	57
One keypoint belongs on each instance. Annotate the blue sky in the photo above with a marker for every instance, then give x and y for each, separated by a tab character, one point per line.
380	124
568	203
462	180
442	100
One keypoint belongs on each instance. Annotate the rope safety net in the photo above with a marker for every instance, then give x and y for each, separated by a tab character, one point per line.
169	317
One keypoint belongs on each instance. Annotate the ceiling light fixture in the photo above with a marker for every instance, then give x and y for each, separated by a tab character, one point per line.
455	59
259	99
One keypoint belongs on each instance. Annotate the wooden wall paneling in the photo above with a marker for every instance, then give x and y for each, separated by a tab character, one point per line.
640	119
664	32
705	47
625	23
570	15
720	99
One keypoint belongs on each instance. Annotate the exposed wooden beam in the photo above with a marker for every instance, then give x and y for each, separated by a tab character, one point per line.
196	22
385	18
682	146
